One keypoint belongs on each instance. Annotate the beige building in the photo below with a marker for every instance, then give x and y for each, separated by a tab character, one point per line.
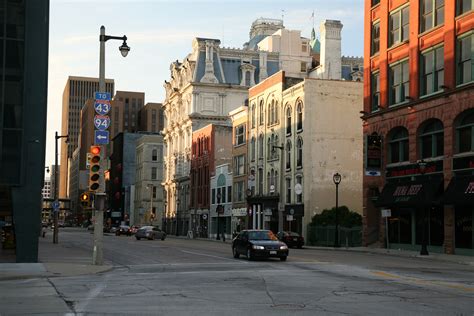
301	133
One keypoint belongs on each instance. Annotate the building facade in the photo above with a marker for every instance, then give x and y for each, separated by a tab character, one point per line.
302	132
46	192
209	83
418	123
152	118
240	170
76	92
148	206
23	107
220	223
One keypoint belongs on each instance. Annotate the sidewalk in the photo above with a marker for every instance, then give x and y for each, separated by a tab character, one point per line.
55	260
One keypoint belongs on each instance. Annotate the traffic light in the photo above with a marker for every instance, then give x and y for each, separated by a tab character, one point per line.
85	199
94	171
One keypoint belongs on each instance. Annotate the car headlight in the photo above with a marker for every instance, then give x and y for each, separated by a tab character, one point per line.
283	247
258	247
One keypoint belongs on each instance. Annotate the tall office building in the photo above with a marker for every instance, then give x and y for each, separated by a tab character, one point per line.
419	124
76	93
23	104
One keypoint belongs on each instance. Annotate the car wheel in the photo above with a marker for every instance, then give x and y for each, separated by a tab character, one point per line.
249	255
138	238
235	253
163	237
283	258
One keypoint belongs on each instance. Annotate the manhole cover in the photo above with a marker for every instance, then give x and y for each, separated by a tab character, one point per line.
289	306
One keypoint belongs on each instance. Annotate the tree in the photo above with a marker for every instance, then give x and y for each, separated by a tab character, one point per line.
346	218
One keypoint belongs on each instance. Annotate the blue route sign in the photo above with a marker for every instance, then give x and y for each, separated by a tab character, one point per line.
101	122
102	107
101	137
102	96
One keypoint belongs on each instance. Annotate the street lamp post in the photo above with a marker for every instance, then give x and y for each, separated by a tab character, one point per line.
218	209
280	189
337	179
424	248
56	201
124	49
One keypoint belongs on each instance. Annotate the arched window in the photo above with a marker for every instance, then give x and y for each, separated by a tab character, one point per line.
431	139
276	153
299	152
270	113
262	113
299	197
252	149
299	116
288	155
260	146
277	117
253	114
398	145
269	181
465	133
288	120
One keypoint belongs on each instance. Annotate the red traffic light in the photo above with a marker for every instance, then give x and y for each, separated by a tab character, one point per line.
95	150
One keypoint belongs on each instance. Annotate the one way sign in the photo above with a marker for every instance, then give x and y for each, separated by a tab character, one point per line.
101	137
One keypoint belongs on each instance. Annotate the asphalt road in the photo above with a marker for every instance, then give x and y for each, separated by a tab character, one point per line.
197	277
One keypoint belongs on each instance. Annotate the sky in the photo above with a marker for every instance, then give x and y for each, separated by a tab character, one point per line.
161	31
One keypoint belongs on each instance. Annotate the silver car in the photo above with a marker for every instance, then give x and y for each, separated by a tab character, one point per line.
150	232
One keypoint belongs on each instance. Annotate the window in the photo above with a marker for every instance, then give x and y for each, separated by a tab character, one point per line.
299	152
465	62
239	135
398	145
375	2
272	153
288	191
260	146
154	155
239	165
299	197
431	140
213	196
261	114
303	67
304	47
463	6
288	120
375	45
153	173
154	192
253	114
375	91
399	81
260	181
398	26
432	71
229	194
288	155
239	191
432	14
299	116
252	149
465	134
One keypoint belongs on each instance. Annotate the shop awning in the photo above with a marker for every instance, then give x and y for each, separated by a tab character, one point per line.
460	191
411	193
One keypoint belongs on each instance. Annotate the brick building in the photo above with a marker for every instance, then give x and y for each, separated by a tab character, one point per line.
419	123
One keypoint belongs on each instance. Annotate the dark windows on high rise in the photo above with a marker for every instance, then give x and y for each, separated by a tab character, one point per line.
431	139
465	133
431	14
432	70
464	59
375	86
463	6
399	81
398	145
375	38
399	26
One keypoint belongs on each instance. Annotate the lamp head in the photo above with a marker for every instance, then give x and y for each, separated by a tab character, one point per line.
124	49
336	178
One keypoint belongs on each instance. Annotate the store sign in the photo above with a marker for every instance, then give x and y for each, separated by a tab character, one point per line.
413	169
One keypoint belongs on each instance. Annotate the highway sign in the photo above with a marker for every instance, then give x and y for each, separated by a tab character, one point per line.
102	122
102	107
101	137
102	96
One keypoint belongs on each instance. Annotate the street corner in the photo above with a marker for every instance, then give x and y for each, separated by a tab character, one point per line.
11	271
70	269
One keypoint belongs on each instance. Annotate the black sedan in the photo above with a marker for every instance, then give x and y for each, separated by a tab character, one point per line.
258	244
150	232
291	239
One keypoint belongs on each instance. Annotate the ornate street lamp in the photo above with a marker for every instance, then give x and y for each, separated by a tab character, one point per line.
337	179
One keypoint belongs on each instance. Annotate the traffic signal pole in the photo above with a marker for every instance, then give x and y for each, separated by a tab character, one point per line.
98	207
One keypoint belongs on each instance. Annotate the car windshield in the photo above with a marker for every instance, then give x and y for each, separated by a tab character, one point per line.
262	235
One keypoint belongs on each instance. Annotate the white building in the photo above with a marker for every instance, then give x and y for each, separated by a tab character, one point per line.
221	202
46	191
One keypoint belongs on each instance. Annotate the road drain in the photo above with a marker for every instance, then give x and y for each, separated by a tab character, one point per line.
289	306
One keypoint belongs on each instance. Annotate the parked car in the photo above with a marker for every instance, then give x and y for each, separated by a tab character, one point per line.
150	232
123	230
113	229
259	244
291	239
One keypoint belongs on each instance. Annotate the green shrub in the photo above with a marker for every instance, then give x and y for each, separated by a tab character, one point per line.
346	218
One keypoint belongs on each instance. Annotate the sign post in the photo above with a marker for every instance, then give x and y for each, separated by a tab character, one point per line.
386	213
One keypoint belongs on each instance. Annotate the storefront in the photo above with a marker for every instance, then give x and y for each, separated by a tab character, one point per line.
264	212
293	218
239	219
414	201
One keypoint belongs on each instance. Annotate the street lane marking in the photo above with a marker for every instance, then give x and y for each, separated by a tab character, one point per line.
200	254
451	285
